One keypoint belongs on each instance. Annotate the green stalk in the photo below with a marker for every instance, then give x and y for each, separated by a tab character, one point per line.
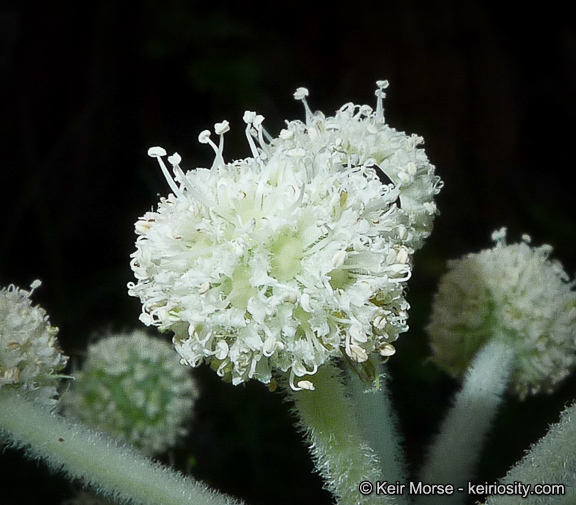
454	454
105	465
551	460
380	428
342	457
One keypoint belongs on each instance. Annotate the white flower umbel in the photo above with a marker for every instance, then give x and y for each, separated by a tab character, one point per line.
513	293
131	387
285	260
30	357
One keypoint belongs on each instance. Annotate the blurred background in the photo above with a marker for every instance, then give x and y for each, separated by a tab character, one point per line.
87	87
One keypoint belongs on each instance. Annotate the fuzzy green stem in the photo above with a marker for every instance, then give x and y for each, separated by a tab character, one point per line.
551	460
342	457
105	465
454	454
380	428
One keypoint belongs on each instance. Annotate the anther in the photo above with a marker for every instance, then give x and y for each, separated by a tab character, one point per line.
158	152
382	85
250	118
301	94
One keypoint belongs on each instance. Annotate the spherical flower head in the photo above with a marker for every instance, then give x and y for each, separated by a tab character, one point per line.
357	135
132	387
514	293
30	357
275	263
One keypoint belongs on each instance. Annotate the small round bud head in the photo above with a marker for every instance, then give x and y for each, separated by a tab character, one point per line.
30	357
132	386
514	293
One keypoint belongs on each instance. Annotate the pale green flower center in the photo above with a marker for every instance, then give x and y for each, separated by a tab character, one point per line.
286	251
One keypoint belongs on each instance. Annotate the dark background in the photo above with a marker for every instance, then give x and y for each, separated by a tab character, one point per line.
87	87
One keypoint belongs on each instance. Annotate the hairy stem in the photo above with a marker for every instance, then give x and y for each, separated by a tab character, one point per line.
550	461
342	457
380	428
454	453
105	465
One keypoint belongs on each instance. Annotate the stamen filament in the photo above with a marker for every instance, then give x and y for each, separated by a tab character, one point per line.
158	152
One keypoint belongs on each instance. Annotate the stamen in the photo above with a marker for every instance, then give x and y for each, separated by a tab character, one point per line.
251	118
204	138
302	384
301	94
382	85
258	120
158	152
297	203
175	160
269	137
386	350
220	129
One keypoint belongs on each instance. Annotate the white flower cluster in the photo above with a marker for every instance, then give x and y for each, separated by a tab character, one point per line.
514	293
30	357
293	256
131	387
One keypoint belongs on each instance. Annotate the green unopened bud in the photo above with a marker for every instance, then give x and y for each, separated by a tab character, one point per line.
132	387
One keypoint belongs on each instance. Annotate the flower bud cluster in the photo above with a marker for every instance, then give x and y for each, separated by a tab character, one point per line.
131	387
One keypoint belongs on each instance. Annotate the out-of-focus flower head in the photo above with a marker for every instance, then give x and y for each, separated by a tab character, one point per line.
292	257
132	387
30	357
514	293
